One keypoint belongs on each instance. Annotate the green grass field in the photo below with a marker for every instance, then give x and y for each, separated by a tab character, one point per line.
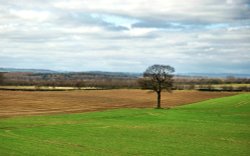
214	127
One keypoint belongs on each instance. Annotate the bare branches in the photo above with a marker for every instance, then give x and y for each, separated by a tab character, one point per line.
1	78
158	78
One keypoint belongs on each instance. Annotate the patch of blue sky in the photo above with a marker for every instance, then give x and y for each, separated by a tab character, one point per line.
238	25
217	26
116	20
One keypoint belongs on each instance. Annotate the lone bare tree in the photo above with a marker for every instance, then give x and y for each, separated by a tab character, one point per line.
1	78
158	78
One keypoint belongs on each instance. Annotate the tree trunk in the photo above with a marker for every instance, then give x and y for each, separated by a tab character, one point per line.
158	100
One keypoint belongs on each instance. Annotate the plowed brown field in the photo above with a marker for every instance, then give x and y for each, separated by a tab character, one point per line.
16	103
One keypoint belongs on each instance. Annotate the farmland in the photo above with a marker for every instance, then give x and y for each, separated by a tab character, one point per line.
124	78
213	127
16	103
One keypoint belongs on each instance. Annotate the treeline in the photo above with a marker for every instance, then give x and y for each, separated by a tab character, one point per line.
207	81
117	80
212	84
99	80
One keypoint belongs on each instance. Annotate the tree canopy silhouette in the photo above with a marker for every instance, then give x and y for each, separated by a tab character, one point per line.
158	78
1	78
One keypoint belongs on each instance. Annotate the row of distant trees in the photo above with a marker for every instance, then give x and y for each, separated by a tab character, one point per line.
69	80
1	78
109	82
157	78
205	80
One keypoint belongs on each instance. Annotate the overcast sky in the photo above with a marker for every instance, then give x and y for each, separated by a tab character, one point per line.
208	36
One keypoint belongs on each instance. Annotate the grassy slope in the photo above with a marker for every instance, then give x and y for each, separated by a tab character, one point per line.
214	127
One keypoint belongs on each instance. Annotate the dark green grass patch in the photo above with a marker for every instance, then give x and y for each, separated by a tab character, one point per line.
214	127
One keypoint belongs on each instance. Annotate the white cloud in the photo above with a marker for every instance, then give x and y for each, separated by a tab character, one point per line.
193	35
31	14
174	10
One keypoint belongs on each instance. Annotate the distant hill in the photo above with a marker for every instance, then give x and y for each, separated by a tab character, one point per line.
215	75
107	80
97	73
125	74
11	70
121	74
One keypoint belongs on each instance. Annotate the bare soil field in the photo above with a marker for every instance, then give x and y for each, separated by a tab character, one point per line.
20	103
